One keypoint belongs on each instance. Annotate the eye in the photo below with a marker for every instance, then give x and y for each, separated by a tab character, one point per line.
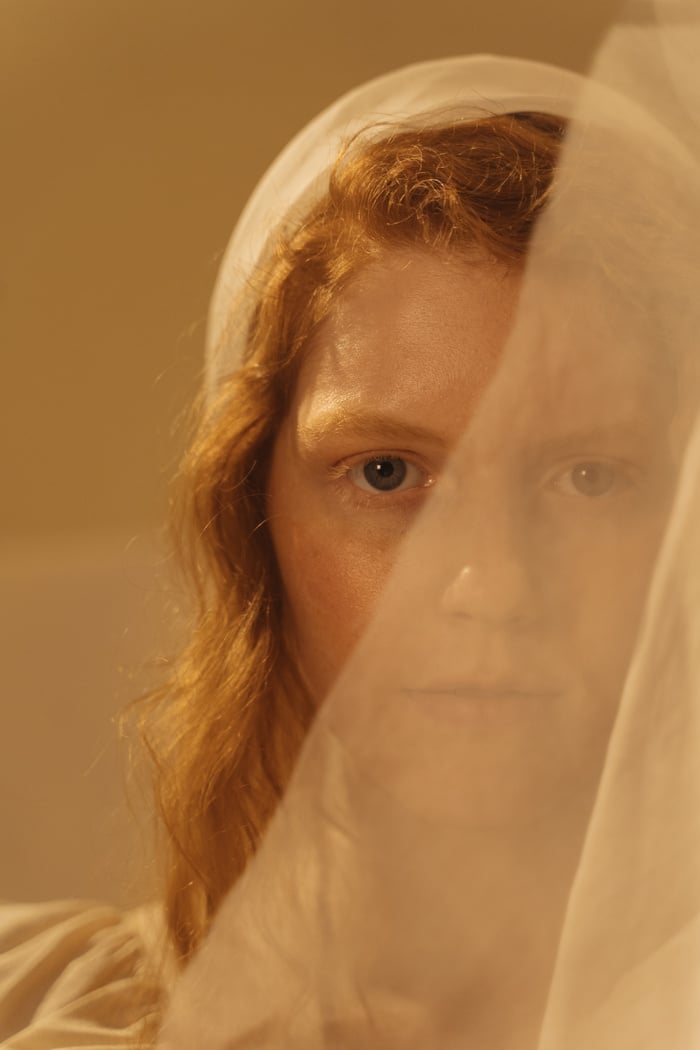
386	474
592	479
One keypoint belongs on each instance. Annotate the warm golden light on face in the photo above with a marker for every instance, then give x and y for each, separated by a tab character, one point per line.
388	386
542	448
497	656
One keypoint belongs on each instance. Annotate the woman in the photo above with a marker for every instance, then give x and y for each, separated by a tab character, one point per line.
464	471
274	641
454	203
426	503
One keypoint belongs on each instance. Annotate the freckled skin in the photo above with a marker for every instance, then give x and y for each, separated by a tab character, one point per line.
417	335
557	578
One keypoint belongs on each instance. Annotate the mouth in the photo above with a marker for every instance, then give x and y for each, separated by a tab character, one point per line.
498	703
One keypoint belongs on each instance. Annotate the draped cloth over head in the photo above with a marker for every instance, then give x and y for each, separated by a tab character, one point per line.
440	873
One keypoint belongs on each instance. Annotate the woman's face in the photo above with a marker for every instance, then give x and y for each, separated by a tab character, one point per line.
556	498
383	395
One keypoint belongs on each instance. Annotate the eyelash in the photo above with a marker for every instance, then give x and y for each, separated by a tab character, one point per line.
344	471
623	478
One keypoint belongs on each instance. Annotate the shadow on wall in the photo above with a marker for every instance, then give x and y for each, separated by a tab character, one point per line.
82	628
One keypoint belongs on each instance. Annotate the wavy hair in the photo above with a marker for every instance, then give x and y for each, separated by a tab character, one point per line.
224	731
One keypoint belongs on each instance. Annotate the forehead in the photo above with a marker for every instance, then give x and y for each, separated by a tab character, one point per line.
411	329
417	336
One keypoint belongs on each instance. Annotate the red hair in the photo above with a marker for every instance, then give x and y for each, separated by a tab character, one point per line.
225	729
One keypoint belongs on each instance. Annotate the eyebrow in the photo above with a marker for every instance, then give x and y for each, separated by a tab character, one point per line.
635	428
363	423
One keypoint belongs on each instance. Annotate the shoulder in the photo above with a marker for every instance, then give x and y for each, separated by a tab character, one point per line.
75	974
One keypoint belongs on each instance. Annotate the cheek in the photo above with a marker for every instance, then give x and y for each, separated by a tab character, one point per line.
330	575
599	591
333	572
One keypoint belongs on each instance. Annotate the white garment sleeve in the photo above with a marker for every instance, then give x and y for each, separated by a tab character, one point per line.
74	974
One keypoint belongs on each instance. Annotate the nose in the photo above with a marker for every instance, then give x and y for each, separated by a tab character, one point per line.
493	579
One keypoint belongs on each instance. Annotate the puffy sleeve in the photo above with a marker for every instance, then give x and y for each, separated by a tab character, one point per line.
74	974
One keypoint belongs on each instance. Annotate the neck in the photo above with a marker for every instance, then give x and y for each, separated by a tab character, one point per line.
480	951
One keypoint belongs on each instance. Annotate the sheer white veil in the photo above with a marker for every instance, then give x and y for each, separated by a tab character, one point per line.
437	876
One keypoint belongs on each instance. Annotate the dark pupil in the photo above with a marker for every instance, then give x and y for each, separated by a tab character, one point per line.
385	474
593	479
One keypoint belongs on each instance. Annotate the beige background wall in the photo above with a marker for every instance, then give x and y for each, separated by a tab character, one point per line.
132	132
